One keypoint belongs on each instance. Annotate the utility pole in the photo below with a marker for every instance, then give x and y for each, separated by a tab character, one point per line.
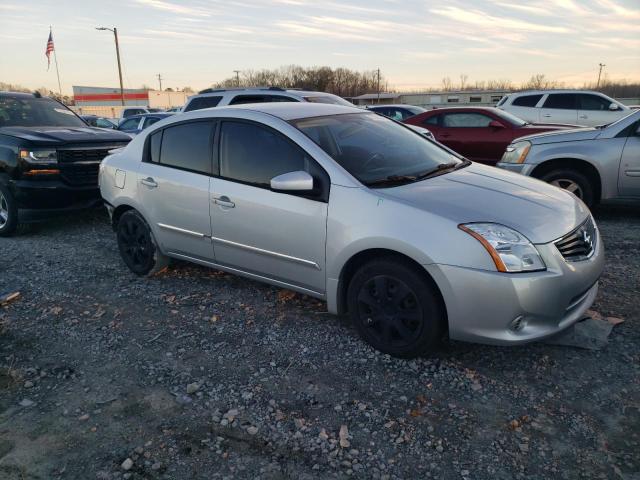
160	81
114	30
602	65
378	85
237	72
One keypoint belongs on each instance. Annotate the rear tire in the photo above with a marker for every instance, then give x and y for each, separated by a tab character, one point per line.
8	212
575	182
137	246
395	308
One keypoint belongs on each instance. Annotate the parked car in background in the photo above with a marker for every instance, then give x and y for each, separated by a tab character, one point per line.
209	98
135	124
479	133
130	111
575	107
596	164
100	122
397	112
347	206
49	159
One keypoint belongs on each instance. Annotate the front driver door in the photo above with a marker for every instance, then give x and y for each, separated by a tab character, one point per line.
629	178
470	135
173	185
280	236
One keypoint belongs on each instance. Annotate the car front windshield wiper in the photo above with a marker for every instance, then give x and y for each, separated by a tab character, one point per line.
400	179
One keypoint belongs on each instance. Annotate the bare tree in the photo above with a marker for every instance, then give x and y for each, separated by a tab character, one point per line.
446	84
463	80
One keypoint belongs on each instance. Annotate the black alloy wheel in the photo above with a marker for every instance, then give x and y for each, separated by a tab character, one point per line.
137	246
395	308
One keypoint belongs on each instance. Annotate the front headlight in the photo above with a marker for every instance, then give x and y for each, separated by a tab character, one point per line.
510	250
39	157
516	152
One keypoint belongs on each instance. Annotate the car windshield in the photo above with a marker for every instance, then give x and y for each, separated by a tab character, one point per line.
330	99
36	112
517	121
376	150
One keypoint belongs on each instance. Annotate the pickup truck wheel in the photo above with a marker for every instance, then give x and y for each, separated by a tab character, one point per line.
572	181
137	246
395	309
8	212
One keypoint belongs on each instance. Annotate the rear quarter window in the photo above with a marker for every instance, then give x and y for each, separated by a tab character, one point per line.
526	101
202	102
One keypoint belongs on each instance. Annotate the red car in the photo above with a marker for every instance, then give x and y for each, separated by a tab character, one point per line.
480	134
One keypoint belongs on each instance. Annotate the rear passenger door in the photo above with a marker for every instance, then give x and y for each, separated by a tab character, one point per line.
277	235
173	187
560	108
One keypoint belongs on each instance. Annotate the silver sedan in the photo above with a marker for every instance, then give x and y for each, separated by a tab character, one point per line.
597	164
411	241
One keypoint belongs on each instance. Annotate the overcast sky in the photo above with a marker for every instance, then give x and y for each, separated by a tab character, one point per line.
414	43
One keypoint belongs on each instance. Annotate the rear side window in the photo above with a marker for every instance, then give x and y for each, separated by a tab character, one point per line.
565	101
253	154
131	124
150	121
243	99
525	101
202	102
187	146
133	111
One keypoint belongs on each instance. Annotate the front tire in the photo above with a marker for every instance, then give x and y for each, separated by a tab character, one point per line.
395	308
573	181
137	246
8	212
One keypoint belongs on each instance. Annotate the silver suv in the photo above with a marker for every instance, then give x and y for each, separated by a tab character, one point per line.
351	207
237	96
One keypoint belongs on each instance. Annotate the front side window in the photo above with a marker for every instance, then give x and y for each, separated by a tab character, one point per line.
187	146
30	111
150	121
526	101
563	101
253	154
202	102
432	120
465	120
594	102
373	148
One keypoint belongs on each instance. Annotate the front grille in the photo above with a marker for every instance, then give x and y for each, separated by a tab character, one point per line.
579	244
80	166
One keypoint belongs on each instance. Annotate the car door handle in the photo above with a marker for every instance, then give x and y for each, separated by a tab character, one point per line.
223	201
583	116
445	135
149	182
546	115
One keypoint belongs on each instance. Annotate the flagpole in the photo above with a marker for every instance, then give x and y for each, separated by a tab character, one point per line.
55	58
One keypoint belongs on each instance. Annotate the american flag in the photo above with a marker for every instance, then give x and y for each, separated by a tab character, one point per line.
49	49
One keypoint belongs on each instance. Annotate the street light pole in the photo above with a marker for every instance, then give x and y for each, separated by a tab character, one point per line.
237	72
602	65
115	34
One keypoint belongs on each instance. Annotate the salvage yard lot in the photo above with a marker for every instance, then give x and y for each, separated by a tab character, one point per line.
199	374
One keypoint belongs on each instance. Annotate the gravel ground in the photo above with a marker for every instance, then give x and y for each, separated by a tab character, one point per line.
196	374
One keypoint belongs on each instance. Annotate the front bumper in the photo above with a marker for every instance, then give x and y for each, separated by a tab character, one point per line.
40	199
521	168
481	305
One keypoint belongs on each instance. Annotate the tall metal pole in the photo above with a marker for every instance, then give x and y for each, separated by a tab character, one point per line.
600	73
237	72
160	81
55	58
378	85
115	34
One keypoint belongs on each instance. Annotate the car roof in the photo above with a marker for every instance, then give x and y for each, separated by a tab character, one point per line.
394	105
152	114
261	91
556	90
292	110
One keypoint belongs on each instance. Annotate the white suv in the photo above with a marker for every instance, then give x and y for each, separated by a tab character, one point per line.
209	97
575	107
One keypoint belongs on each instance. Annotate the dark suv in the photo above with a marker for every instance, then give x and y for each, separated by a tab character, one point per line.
49	159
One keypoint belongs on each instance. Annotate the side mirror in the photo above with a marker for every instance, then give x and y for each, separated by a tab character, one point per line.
495	124
299	181
614	107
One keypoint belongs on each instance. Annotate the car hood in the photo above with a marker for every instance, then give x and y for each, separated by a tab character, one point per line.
555	136
65	135
480	193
